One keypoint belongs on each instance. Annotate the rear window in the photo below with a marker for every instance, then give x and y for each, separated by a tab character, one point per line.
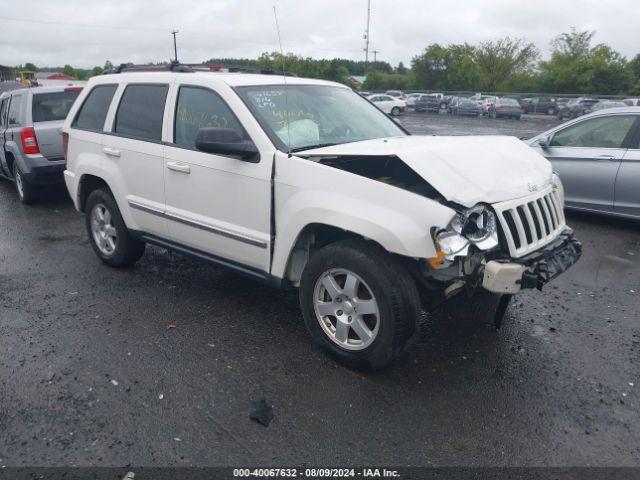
509	101
52	106
94	109
140	112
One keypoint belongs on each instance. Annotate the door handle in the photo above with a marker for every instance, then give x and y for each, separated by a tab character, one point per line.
179	167
112	152
606	157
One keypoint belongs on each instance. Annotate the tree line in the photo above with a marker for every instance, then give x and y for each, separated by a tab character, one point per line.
502	65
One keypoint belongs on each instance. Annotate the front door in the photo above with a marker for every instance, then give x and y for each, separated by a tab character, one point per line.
587	156
627	199
216	204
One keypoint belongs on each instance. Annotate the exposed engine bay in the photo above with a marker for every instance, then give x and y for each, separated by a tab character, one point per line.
387	169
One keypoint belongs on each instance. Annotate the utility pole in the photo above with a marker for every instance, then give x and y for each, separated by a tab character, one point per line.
366	38
375	55
175	46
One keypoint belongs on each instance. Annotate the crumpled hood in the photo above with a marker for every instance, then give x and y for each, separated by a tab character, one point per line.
464	169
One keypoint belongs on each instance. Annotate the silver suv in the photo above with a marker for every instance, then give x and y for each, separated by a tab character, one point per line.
31	150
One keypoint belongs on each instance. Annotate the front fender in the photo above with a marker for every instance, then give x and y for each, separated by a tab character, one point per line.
400	221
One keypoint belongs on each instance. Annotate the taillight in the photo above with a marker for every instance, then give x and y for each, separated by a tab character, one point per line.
29	141
73	89
65	144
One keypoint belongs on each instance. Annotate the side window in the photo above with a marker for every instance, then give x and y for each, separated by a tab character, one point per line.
94	110
200	107
140	112
3	112
603	132
14	110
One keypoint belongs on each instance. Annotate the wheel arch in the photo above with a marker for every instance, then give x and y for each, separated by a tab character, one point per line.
87	184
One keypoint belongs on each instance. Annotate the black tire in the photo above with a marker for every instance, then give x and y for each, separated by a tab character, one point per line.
395	111
128	249
26	192
551	111
392	286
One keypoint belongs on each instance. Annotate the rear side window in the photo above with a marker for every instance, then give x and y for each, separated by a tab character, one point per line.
140	112
94	110
52	106
199	107
14	110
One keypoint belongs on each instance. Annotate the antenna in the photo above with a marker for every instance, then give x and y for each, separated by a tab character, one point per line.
175	46
284	78
366	37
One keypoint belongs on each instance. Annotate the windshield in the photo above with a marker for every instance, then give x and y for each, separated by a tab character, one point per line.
319	115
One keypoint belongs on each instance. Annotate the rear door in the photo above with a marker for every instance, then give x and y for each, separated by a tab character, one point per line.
587	155
48	111
627	196
133	153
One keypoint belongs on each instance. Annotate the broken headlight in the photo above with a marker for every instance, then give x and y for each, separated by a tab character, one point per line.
475	226
479	225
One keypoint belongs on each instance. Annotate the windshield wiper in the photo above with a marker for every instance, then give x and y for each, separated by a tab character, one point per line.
311	147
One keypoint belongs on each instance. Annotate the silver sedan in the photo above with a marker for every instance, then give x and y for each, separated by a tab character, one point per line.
598	159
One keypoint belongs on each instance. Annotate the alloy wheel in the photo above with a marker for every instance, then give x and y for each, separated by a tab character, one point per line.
346	309
103	230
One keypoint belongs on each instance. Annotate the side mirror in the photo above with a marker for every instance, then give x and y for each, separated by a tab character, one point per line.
544	142
226	141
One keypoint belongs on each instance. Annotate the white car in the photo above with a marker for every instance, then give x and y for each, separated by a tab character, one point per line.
388	104
304	184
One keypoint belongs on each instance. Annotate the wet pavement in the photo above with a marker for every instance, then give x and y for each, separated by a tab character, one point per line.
160	364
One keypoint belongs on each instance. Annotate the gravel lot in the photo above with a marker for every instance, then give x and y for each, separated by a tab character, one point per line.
91	372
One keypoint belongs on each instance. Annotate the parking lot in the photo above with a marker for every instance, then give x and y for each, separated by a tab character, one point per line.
160	364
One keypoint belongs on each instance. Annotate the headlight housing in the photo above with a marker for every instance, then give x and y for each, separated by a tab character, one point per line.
475	226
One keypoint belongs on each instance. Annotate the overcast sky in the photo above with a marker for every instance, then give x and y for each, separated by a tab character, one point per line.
85	33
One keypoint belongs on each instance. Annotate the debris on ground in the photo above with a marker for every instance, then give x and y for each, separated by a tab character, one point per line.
171	326
262	412
115	383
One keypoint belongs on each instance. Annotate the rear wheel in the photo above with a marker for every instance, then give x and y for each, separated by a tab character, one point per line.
26	191
108	233
358	303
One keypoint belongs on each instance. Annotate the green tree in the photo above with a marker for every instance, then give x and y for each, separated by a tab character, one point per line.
401	69
30	66
95	71
499	59
108	66
69	70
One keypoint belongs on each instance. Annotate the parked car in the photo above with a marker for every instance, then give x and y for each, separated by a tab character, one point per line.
598	159
396	93
411	99
603	104
30	141
370	223
388	104
546	105
467	107
632	102
576	107
487	105
453	104
505	107
428	103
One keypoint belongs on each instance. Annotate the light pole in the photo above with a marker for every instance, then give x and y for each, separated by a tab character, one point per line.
175	46
366	37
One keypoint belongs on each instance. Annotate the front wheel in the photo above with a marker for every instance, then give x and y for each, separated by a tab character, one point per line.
395	111
359	304
551	111
108	233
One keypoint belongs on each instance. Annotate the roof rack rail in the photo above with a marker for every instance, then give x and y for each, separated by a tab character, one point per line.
172	66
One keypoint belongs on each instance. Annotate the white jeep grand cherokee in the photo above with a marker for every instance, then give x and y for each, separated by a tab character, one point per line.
304	183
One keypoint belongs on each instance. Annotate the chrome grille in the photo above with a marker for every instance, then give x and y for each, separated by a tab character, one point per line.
532	222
